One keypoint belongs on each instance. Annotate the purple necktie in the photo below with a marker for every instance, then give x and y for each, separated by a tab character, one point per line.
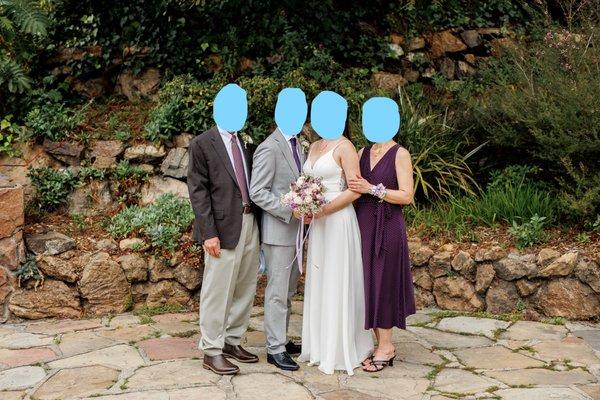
238	166
293	142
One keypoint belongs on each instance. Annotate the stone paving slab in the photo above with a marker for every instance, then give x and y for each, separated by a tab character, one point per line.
16	358
170	348
541	376
21	378
464	357
77	382
473	326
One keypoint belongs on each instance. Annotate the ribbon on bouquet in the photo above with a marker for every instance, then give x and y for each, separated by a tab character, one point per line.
300	239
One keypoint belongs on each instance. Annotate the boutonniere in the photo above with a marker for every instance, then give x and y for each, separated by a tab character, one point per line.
246	139
304	143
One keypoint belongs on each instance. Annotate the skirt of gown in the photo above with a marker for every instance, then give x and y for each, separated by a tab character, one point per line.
333	334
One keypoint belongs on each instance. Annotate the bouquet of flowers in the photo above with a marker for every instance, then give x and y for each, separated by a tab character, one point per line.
306	195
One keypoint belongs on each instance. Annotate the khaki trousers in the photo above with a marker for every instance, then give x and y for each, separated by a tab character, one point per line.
228	290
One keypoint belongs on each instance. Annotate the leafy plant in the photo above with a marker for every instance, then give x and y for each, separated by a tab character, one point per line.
54	121
162	222
126	179
529	233
9	133
439	163
51	186
29	270
21	23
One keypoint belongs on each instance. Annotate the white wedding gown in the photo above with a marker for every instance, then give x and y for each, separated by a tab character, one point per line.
333	334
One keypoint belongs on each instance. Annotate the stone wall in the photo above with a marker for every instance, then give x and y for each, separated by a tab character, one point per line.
546	284
12	248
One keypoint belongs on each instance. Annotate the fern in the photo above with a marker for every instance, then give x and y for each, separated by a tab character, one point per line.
27	14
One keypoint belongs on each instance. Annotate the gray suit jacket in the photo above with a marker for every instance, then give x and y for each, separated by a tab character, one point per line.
272	172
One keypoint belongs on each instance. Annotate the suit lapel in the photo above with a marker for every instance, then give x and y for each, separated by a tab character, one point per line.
219	147
287	152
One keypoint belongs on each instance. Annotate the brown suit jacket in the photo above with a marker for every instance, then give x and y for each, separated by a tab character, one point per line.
214	192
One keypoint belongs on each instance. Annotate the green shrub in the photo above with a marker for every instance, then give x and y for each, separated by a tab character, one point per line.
542	106
162	222
51	186
29	270
528	233
54	121
9	132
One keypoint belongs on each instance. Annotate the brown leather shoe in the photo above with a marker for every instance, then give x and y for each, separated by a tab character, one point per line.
220	365
239	354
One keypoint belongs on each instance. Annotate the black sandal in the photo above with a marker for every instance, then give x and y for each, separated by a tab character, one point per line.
367	361
380	365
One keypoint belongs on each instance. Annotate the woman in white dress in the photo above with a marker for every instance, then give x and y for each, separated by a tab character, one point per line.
333	334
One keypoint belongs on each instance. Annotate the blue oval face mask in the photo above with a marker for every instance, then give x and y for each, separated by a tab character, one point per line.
291	111
230	108
328	113
380	119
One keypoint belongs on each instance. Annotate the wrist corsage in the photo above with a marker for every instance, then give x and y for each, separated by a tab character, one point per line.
378	191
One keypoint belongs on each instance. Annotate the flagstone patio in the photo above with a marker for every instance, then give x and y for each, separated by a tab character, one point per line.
440	358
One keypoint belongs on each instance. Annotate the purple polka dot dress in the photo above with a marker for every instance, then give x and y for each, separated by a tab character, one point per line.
389	294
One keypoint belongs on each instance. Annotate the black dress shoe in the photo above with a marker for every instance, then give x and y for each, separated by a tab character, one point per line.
282	361
292	348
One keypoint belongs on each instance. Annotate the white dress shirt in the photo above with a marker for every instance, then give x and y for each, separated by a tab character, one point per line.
226	136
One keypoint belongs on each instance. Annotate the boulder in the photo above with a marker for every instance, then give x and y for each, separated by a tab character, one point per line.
568	298
515	267
133	244
463	263
440	264
188	274
589	272
387	81
145	153
396	49
411	75
12	206
67	152
136	86
12	251
456	293
60	268
139	292
53	300
160	269
92	199
167	292
444	42
158	185
135	267
465	69
91	88
416	43
422	279
183	140
502	297
175	164
546	256
421	256
6	287
103	286
471	38
423	298
493	254
525	287
484	277
104	153
49	243
396	38
447	68
562	266
106	245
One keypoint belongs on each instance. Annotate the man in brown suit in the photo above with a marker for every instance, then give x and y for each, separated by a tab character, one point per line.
226	225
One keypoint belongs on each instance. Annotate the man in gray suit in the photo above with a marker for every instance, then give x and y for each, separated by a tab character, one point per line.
220	170
277	163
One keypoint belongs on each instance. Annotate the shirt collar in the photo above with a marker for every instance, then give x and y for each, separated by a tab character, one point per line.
286	137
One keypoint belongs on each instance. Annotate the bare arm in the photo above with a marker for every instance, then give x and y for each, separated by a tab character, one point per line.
346	155
404	172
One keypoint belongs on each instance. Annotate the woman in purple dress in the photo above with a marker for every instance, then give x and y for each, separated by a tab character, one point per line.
386	184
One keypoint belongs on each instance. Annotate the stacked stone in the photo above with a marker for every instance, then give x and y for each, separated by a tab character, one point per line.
12	248
547	284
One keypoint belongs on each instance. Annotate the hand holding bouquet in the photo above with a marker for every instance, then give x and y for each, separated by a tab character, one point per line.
306	195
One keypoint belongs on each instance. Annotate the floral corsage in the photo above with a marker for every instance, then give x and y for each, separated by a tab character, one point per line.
378	191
